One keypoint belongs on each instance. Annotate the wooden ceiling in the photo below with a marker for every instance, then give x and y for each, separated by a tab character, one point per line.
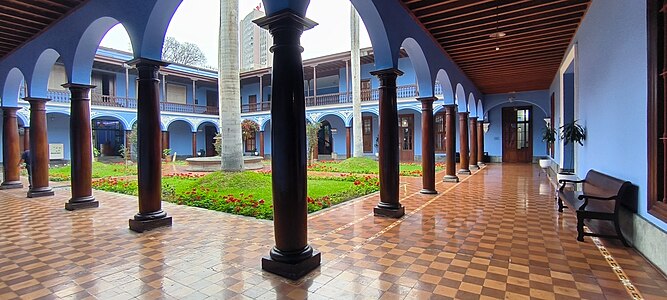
21	20
537	35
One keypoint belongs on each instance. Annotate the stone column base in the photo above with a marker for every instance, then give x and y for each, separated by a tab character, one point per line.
144	225
480	164
428	192
389	212
8	185
450	178
292	271
464	172
40	192
473	167
82	203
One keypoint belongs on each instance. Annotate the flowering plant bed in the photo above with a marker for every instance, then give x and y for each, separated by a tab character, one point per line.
246	193
362	165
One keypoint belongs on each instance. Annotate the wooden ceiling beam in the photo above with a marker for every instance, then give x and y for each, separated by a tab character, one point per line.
505	51
485	11
516	36
554	37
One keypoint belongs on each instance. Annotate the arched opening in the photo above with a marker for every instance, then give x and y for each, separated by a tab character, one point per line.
14	88
325	139
108	135
249	132
180	138
49	75
206	133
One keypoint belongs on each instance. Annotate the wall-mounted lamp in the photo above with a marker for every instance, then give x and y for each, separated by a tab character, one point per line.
486	126
548	122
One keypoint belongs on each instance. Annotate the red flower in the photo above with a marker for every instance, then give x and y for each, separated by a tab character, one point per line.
357	182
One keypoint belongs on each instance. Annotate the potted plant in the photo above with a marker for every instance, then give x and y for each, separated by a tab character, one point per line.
167	154
548	136
571	133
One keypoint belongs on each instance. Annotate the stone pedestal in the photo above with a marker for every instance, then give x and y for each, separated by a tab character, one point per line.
292	257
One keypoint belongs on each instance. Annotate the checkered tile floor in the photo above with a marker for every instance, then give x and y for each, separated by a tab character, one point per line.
496	234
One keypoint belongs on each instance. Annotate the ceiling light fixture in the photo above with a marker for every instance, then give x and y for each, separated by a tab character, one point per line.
498	34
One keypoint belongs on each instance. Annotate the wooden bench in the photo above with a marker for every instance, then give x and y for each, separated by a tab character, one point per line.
600	198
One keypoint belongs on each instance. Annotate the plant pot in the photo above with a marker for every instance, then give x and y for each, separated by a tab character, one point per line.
566	176
545	163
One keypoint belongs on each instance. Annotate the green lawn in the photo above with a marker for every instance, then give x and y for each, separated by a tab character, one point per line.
363	165
99	170
245	193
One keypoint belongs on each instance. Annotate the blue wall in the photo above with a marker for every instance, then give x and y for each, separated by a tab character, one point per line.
180	138
494	103
57	126
611	88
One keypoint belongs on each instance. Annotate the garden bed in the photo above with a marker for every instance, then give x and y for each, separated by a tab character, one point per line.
363	165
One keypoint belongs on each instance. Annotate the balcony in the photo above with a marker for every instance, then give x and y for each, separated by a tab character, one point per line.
124	102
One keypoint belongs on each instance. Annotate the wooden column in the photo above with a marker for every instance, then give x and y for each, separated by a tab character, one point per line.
11	150
428	146
480	143
26	138
473	143
463	144
194	144
348	142
165	140
39	149
261	143
389	205
149	161
292	256
81	148
450	143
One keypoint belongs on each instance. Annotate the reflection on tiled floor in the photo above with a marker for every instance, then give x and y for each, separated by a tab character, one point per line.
496	234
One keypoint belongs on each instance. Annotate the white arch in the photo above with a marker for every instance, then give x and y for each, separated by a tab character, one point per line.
11	90
103	114
420	66
171	121
82	63
445	86
472	105
39	83
460	98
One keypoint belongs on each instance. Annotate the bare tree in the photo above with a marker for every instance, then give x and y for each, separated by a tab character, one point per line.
182	53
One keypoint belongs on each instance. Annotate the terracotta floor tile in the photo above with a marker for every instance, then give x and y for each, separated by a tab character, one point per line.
496	234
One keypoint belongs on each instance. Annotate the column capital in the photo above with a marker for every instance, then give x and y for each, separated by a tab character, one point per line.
463	113
10	109
77	86
473	118
284	18
36	99
136	62
448	105
427	99
387	72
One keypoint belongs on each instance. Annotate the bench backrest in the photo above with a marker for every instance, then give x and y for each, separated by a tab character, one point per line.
601	184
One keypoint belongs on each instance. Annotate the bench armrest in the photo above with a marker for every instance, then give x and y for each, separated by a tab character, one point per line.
563	182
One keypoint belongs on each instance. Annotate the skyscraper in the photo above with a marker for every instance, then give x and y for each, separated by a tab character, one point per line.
255	42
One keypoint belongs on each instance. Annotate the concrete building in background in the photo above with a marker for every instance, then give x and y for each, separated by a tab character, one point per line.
255	43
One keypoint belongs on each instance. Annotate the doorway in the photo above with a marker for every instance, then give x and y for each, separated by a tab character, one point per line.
325	139
517	135
406	132
107	136
368	134
210	134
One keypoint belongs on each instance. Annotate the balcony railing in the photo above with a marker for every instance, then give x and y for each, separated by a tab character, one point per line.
124	102
255	107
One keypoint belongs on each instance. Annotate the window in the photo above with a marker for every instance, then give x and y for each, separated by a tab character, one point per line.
176	93
440	138
657	114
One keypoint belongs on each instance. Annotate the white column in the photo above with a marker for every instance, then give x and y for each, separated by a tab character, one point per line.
194	91
356	84
261	92
229	87
315	81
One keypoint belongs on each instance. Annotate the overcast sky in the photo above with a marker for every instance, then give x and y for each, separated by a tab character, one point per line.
196	21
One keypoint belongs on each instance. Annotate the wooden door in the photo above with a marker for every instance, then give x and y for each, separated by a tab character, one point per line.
252	103
517	135
368	134
210	134
212	98
406	135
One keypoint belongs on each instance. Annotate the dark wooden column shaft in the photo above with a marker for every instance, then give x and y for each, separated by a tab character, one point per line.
165	140
463	144
292	256
473	142
348	142
480	143
450	145
10	149
261	143
428	146
81	148
149	145
39	148
388	147
194	144
26	138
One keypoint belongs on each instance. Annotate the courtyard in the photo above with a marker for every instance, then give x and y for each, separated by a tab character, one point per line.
495	234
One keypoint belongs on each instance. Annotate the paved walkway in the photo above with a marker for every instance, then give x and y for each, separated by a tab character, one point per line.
496	234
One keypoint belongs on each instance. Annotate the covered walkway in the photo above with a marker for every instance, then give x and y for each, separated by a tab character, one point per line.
497	233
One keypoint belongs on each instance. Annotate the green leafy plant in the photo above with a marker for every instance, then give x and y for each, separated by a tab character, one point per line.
166	152
217	144
96	152
311	135
573	133
549	135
